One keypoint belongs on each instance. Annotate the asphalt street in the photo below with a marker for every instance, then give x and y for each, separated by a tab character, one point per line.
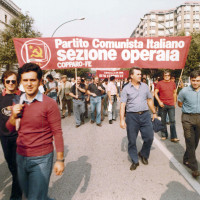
97	167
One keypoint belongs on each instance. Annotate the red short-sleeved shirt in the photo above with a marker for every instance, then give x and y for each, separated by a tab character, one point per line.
166	91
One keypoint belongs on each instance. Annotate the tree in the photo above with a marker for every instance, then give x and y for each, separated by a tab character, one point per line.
82	72
193	59
20	27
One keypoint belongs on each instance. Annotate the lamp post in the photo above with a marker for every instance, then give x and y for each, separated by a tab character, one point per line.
66	23
55	32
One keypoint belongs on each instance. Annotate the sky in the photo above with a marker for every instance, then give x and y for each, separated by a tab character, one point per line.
103	18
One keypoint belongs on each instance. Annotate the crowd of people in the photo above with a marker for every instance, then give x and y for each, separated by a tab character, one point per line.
30	119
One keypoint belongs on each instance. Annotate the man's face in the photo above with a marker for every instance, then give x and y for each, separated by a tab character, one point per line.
10	83
64	79
96	80
30	83
136	76
167	77
195	82
78	80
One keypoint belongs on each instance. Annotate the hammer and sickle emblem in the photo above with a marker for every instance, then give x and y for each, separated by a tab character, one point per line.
37	52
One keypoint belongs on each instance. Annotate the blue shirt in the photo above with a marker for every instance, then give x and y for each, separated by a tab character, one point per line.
190	99
136	99
38	97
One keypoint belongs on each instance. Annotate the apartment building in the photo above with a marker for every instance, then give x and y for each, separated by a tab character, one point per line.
8	10
184	18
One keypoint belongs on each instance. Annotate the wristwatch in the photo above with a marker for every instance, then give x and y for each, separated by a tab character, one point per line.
63	160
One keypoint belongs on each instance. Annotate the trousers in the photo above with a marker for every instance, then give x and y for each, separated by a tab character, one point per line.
139	122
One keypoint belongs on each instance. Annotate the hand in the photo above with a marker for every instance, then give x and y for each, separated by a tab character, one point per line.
94	95
76	97
161	104
59	168
111	102
122	124
99	88
17	110
154	116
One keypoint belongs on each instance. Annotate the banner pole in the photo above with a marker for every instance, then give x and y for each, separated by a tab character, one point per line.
179	80
76	80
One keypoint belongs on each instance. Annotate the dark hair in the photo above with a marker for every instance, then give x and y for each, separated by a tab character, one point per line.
105	80
112	78
30	67
95	77
195	74
6	74
128	78
166	71
131	71
50	77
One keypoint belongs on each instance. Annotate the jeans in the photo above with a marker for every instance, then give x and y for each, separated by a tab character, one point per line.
9	149
191	127
171	113
105	104
79	109
95	102
34	174
135	123
113	113
52	95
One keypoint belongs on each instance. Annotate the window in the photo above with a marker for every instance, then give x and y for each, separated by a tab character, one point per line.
6	19
187	16
187	8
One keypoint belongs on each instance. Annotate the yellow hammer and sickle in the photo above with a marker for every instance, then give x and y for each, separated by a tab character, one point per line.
36	53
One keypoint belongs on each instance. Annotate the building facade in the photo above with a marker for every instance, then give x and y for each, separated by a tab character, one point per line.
184	18
8	11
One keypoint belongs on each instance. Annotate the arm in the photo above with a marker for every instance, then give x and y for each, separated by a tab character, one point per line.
180	104
53	117
122	112
92	94
175	97
72	95
152	108
109	97
158	99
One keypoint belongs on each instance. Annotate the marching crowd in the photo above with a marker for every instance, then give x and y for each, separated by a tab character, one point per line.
30	119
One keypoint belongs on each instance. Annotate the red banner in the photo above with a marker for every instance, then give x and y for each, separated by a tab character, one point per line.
107	74
79	52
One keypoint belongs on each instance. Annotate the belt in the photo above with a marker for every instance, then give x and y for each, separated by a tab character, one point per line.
192	113
140	112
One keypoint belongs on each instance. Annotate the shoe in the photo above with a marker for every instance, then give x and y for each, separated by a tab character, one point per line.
143	159
92	122
187	164
77	126
110	121
175	140
114	119
195	173
134	166
63	116
163	138
99	125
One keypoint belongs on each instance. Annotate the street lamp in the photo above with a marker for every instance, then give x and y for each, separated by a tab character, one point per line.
66	23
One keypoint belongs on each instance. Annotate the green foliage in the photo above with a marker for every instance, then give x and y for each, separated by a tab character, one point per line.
193	59
82	72
20	27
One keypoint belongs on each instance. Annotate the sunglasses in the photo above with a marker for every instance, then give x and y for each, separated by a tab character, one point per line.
11	81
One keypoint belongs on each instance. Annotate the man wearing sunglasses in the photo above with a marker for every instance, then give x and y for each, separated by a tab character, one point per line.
8	139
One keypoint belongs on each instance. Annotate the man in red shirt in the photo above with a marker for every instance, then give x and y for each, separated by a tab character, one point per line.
40	123
167	102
